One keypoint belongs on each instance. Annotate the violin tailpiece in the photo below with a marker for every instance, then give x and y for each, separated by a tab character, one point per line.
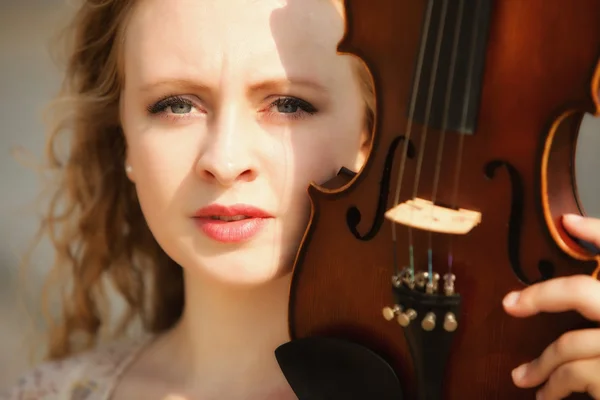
419	307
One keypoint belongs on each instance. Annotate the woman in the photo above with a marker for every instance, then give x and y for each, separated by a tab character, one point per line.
196	128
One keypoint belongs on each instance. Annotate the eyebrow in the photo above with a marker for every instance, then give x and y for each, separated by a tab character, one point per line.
286	82
262	85
179	84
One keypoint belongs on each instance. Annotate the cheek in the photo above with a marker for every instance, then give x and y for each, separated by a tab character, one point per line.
313	156
161	162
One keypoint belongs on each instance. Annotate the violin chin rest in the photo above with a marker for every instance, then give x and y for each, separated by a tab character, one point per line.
319	368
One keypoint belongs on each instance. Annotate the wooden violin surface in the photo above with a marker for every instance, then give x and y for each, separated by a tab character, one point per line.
478	109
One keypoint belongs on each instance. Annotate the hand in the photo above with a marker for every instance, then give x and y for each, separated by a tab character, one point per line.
572	363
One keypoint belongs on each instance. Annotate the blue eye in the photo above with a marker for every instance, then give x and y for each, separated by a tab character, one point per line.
178	105
180	108
290	105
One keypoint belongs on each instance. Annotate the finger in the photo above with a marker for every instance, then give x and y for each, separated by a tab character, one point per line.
579	293
571	346
584	228
575	377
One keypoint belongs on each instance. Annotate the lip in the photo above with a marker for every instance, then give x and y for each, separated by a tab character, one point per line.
231	211
231	231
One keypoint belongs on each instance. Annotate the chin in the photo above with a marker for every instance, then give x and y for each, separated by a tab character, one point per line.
243	269
233	277
254	263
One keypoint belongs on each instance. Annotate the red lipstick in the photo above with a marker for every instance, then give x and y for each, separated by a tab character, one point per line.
231	224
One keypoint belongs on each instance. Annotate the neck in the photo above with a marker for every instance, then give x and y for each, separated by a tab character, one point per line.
229	334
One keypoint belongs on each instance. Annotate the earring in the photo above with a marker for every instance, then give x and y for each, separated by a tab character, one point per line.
128	168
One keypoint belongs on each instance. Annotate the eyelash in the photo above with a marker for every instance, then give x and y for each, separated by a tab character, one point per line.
305	106
161	106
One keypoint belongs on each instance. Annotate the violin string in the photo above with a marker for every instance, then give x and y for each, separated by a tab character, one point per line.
449	88
461	139
425	129
411	113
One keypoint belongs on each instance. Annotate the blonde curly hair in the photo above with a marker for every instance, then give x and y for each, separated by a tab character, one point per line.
94	220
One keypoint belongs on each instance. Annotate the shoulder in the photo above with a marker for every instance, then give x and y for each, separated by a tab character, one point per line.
88	375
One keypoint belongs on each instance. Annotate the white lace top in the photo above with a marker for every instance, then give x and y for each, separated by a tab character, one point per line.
91	375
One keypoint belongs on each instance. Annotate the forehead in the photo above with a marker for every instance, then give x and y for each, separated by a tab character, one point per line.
213	36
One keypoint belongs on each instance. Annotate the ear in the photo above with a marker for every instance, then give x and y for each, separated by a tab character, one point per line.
365	148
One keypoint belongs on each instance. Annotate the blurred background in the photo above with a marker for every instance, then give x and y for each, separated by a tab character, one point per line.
28	80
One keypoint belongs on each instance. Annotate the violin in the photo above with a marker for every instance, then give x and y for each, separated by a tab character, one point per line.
471	167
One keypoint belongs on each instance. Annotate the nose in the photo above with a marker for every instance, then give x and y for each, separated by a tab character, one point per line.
227	154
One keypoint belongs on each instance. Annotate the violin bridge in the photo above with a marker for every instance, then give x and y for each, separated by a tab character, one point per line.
423	214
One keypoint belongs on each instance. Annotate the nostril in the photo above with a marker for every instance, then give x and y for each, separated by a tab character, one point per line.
247	175
208	175
227	176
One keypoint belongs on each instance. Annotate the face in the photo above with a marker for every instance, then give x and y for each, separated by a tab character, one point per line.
233	107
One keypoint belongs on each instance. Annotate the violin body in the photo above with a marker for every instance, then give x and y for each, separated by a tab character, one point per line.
506	94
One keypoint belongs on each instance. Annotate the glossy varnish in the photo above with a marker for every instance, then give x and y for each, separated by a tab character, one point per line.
534	73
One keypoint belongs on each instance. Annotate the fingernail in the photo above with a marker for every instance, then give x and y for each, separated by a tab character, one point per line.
519	373
511	298
574	218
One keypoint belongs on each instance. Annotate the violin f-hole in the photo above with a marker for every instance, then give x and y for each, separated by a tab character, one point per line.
515	222
353	215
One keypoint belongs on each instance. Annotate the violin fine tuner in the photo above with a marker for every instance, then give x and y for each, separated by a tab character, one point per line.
422	284
449	284
389	313
450	323
403	318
